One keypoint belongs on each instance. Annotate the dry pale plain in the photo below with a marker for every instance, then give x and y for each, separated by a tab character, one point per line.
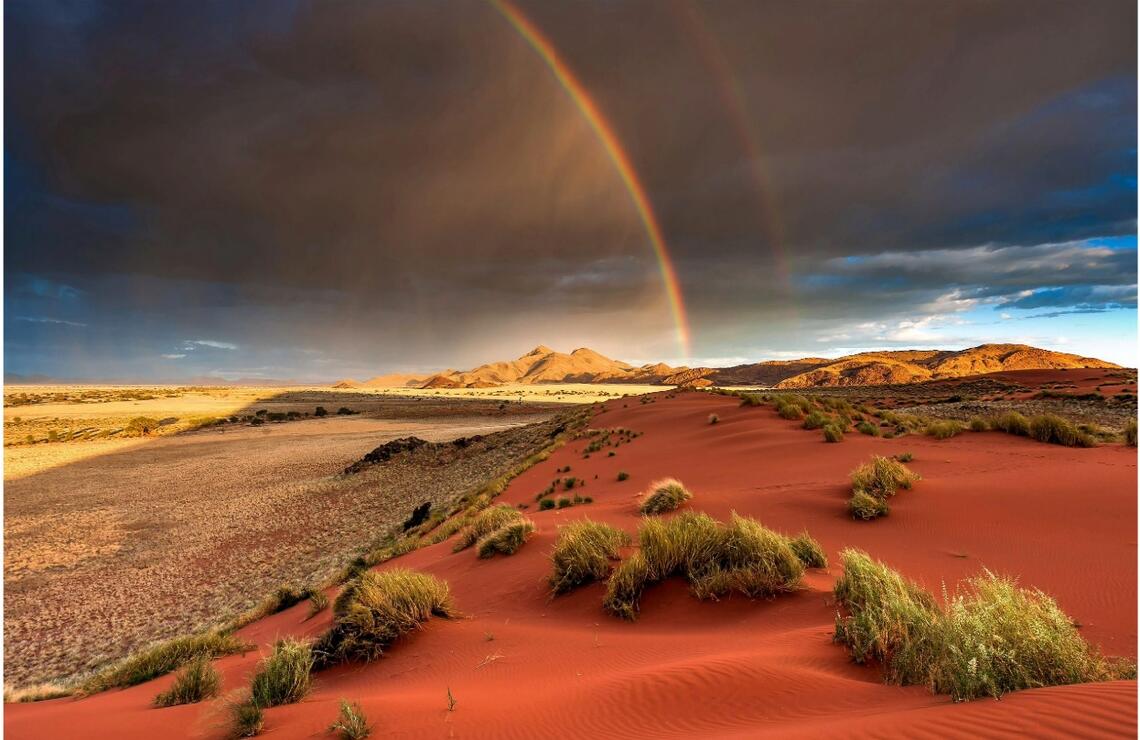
1061	519
113	543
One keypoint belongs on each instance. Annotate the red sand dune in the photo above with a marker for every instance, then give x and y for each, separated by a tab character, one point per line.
1061	519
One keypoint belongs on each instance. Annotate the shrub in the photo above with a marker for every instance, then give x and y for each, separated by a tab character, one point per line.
904	457
284	677
486	522
881	477
247	718
866	427
789	411
196	681
321	411
1011	423
751	399
713	418
622	475
863	505
378	607
564	502
815	420
991	638
583	553
318	602
832	433
978	424
1130	433
352	724
664	495
944	429
808	550
345	411
140	426
715	558
545	504
1055	430
163	658
506	539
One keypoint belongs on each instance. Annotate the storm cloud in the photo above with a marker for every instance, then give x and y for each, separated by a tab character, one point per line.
321	189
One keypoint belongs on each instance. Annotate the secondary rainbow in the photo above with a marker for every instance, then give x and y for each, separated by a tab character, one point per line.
605	133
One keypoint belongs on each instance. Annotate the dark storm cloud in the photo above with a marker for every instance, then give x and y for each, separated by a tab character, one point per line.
405	181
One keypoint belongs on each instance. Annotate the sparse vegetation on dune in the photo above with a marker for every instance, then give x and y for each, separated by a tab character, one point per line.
808	550
583	553
991	638
832	433
664	495
1130	433
1055	430
351	724
506	540
197	680
863	505
284	676
882	477
246	719
944	429
486	523
716	559
163	658
378	607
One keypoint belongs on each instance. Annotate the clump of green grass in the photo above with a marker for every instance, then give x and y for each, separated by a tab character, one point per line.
832	433
247	719
866	427
622	476
1011	422
582	553
944	429
378	607
716	559
664	495
486	522
904	457
991	638
808	550
863	505
283	677
1130	433
351	724
196	681
163	658
546	504
816	420
978	424
505	540
751	399
882	477
1055	430
789	411
318	602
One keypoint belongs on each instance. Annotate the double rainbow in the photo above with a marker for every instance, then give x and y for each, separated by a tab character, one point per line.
617	155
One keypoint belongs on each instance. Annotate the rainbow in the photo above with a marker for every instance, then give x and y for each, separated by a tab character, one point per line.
617	155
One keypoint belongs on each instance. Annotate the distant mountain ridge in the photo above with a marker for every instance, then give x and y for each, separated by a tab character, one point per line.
584	365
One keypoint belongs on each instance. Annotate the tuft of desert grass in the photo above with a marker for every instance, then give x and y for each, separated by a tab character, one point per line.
1130	433
715	558
664	495
816	420
163	658
944	429
37	692
246	719
484	523
197	680
882	477
789	411
622	476
808	550
863	505
583	552
351	724
1055	430
284	676
713	419
991	638
318	602
832	433
866	427
505	540
1010	422
978	424
378	607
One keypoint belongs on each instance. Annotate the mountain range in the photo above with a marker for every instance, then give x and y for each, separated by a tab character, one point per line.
583	365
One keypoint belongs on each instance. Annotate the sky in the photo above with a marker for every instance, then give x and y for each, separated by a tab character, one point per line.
316	190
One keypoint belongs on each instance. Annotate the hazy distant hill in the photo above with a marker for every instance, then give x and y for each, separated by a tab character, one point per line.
544	365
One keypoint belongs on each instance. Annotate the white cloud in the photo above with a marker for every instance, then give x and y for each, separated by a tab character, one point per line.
172	357
213	343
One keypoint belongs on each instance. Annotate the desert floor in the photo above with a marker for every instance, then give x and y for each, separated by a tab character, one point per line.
111	544
522	664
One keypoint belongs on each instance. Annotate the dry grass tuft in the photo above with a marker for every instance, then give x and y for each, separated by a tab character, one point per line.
246	718
882	477
809	551
377	608
583	553
351	724
863	505
484	523
664	495
505	540
197	680
283	677
163	658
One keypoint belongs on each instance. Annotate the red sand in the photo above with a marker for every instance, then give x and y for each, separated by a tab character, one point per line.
1061	519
